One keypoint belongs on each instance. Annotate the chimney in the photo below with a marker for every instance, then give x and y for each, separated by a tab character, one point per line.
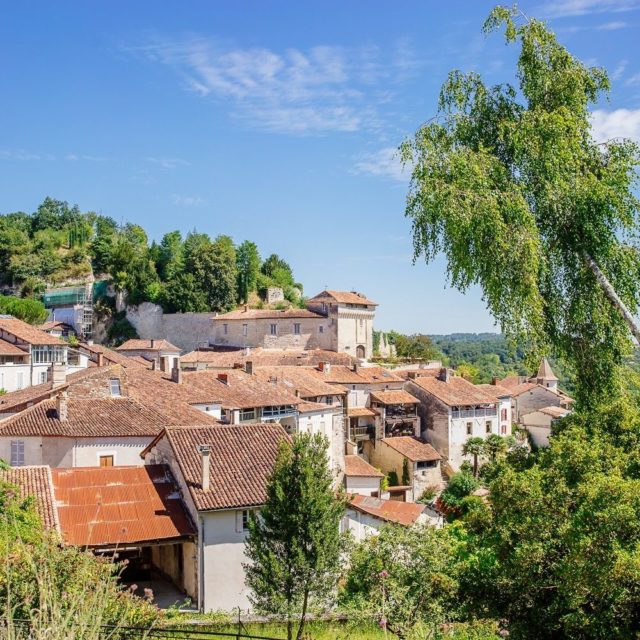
494	381
205	452
176	374
62	406
246	308
248	367
224	378
100	359
58	374
324	366
154	365
153	343
445	374
246	351
297	392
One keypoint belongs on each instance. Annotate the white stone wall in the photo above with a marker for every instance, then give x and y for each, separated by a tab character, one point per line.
536	398
365	486
353	328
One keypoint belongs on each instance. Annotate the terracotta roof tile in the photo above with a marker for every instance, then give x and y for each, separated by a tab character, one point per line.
28	333
394	397
265	357
343	297
87	417
267	314
361	412
145	345
242	459
555	412
109	506
455	393
10	349
299	379
339	374
413	448
110	355
35	481
405	513
358	467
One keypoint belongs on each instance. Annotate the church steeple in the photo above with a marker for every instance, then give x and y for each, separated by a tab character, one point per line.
545	376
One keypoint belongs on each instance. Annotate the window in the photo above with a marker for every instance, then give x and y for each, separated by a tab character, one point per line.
487	425
245	329
296	328
17	453
114	387
503	429
225	328
469	428
245	520
320	329
242	521
503	414
106	461
328	400
41	354
274	329
427	464
247	414
43	377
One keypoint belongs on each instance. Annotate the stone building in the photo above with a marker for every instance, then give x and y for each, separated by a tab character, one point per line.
340	321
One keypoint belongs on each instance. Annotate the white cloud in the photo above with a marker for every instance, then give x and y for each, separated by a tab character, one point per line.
612	26
619	70
325	88
384	163
564	8
22	154
168	163
633	80
187	201
621	123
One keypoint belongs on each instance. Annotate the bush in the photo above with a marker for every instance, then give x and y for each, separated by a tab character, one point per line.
460	486
392	478
27	309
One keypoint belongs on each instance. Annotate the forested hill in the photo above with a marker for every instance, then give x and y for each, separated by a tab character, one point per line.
59	244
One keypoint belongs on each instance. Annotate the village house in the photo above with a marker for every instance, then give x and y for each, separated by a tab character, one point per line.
539	423
414	462
452	410
160	353
360	477
338	321
537	392
29	356
222	473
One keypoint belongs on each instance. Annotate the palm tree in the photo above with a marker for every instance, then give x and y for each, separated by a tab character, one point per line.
494	445
473	447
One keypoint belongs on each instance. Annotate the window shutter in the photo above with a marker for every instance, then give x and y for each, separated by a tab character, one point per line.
238	521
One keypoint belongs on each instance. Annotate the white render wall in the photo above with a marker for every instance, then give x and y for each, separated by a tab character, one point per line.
223	556
76	452
354	327
363	485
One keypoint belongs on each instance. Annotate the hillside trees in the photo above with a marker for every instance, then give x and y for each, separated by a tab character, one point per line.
513	188
248	267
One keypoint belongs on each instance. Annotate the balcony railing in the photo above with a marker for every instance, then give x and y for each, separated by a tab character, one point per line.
362	431
474	413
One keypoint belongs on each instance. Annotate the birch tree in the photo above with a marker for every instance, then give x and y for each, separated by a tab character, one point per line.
511	184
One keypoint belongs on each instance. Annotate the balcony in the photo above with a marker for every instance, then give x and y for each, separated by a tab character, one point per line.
489	412
283	411
394	429
362	432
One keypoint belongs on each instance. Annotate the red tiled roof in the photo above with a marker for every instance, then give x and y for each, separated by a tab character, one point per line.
394	397
358	467
496	390
110	355
267	314
299	379
413	448
242	460
87	417
555	412
35	481
10	349
109	506
343	297
361	412
145	345
27	333
405	513
361	375
457	392
265	357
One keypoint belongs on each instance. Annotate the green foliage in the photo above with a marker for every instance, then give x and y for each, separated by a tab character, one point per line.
27	309
414	347
248	266
121	329
406	577
406	476
512	187
294	544
392	478
460	485
474	447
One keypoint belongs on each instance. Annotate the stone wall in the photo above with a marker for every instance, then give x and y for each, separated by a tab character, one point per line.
185	330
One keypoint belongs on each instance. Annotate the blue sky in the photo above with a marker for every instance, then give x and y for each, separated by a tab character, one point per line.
269	120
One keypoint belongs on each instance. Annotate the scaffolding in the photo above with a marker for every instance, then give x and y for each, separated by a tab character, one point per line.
80	299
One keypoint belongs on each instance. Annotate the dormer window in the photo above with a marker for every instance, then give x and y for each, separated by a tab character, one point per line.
114	387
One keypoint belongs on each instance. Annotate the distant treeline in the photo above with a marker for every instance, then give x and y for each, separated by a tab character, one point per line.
58	243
